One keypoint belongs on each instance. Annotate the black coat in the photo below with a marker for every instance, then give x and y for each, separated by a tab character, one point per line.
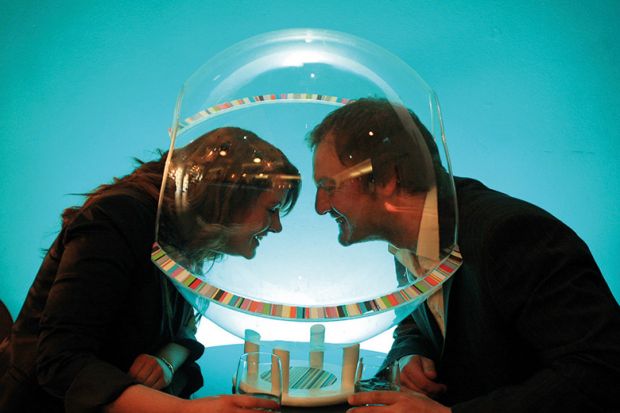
95	304
531	323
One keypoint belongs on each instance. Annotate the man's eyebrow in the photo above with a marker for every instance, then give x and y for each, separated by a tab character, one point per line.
359	169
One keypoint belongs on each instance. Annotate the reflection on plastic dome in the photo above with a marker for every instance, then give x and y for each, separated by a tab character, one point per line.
307	184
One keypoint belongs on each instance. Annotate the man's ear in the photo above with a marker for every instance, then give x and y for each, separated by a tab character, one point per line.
388	188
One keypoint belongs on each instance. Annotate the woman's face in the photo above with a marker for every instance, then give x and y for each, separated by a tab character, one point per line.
262	218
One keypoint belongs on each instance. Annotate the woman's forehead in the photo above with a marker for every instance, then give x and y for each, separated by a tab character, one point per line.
273	195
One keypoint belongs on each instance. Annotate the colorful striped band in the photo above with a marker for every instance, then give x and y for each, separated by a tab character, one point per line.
253	100
185	279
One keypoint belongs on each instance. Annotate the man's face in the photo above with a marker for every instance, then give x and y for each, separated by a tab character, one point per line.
346	201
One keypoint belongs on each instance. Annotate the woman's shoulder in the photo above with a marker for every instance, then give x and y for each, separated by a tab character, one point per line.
124	210
121	203
121	199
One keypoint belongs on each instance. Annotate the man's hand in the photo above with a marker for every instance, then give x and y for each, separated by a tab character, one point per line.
418	373
394	402
150	371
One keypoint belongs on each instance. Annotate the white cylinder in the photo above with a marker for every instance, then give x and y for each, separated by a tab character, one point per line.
350	356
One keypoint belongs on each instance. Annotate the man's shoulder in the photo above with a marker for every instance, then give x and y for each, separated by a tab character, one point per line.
473	198
483	210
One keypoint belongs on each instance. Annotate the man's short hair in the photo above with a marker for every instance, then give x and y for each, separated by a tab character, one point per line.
388	134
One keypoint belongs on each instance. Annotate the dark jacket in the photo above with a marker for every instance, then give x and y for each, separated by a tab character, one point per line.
95	304
531	323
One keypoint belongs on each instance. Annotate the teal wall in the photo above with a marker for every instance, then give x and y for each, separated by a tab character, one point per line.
530	93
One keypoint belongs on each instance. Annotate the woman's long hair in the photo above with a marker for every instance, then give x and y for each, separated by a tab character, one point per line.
212	183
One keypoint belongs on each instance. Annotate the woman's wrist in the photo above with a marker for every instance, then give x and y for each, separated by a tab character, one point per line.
167	363
173	356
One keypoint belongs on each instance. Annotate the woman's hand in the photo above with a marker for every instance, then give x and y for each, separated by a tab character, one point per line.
236	403
394	402
142	399
418	373
151	371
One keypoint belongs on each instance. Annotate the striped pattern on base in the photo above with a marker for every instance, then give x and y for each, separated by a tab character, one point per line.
305	378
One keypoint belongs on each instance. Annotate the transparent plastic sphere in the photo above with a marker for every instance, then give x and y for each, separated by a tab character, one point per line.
265	232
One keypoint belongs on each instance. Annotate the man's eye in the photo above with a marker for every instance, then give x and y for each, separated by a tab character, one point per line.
327	185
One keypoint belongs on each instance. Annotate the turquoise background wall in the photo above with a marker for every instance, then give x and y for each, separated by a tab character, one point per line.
530	92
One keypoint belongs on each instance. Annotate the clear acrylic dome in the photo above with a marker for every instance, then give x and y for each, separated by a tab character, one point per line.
240	161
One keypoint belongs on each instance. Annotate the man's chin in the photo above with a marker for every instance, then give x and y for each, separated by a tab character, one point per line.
344	240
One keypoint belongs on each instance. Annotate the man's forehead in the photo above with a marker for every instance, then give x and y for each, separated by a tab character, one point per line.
326	161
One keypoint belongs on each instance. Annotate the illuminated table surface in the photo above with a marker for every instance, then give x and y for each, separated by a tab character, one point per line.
219	363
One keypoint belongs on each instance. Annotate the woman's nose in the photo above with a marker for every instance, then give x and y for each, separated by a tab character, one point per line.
321	202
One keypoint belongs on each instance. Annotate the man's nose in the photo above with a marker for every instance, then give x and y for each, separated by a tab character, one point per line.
276	224
321	202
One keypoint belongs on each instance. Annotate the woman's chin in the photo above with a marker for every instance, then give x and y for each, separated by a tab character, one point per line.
251	252
249	256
